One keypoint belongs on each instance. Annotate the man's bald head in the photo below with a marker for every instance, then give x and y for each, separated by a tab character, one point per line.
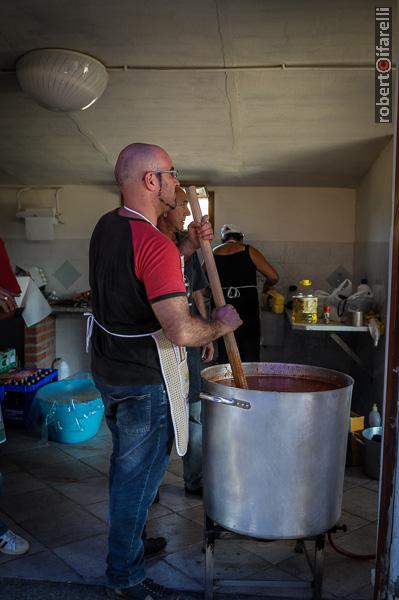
137	159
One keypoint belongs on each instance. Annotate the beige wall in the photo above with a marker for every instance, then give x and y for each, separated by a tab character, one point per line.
371	256
289	214
81	206
374	200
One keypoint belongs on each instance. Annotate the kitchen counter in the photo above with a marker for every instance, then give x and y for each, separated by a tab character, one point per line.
332	329
64	308
326	327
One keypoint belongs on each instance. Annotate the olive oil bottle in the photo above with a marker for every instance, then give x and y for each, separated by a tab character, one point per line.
304	304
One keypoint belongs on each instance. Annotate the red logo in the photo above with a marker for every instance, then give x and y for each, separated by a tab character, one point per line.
383	65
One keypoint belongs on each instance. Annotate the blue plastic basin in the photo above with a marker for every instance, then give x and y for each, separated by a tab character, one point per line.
72	410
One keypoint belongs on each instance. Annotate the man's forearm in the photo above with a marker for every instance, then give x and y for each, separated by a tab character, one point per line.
200	332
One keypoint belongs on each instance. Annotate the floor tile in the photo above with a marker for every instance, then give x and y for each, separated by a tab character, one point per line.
20	482
63	525
100	462
93	447
373	484
86	557
40	503
158	510
7	465
68	471
38	457
99	509
179	532
274	552
171	478
351	521
174	498
167	575
18	439
176	467
342	575
356	476
272	583
44	565
230	561
195	514
364	593
84	492
66	523
362	502
360	541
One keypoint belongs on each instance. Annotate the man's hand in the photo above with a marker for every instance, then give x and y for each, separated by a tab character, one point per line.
228	316
207	352
196	231
7	302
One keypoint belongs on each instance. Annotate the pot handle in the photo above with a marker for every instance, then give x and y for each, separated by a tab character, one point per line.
229	401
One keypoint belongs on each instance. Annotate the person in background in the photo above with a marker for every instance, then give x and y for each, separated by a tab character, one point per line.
171	223
10	543
140	326
237	264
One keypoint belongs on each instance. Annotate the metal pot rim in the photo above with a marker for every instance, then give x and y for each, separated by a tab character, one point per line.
212	374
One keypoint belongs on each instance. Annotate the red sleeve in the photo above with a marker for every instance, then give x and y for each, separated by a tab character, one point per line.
8	280
157	262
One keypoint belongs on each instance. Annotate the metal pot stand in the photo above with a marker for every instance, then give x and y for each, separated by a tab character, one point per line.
213	532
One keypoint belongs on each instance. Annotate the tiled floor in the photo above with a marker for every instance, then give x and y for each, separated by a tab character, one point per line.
56	496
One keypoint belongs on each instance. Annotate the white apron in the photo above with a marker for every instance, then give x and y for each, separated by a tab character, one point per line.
173	361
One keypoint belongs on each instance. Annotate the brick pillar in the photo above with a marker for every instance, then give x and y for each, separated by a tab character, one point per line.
40	343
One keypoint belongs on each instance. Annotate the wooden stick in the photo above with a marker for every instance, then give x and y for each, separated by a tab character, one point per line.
218	296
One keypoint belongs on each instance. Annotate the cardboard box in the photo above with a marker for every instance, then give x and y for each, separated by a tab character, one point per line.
356	422
355	448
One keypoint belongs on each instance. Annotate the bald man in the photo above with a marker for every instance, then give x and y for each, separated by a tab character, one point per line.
139	308
171	223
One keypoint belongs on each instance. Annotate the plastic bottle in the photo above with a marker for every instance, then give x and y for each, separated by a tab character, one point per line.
304	308
364	287
374	417
63	368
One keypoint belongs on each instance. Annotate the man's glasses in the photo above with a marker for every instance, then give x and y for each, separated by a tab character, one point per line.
173	172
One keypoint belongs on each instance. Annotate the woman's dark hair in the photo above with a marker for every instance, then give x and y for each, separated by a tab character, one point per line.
232	236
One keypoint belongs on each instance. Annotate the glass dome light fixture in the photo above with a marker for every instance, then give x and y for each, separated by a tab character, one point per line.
61	80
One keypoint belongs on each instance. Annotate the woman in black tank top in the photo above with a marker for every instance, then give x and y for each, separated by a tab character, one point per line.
237	264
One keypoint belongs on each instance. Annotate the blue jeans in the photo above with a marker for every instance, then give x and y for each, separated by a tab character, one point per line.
141	427
192	461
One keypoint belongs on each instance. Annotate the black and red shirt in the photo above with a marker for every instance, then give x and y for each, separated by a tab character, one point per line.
132	265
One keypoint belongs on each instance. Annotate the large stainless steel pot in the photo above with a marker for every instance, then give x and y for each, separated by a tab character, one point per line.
274	461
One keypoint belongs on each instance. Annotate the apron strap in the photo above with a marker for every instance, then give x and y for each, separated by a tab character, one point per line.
89	330
234	292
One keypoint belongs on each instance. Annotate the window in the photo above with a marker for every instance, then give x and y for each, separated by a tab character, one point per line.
206	201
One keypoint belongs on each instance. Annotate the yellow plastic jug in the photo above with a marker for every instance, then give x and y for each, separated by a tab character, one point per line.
277	301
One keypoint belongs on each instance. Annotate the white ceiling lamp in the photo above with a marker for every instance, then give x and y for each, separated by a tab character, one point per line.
62	80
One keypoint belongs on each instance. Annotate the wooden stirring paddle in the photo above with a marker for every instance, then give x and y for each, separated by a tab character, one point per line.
218	297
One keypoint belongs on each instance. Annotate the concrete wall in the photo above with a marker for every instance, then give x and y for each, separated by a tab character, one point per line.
304	232
371	252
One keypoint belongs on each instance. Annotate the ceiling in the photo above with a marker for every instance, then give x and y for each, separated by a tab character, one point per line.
204	79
